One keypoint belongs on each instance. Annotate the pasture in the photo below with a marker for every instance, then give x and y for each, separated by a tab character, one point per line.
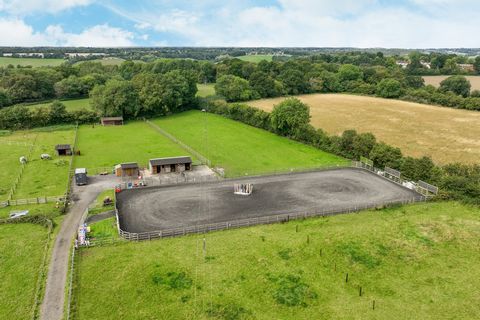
241	149
33	62
134	142
46	177
22	248
40	177
435	81
417	261
205	90
256	57
445	134
70	105
48	210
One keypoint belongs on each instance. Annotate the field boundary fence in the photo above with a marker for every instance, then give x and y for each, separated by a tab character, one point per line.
202	158
233	224
13	189
70	175
37	200
42	273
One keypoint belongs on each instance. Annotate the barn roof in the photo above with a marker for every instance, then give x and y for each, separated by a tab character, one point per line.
171	160
62	147
129	165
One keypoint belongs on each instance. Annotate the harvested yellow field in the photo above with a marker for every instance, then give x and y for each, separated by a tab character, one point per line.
445	134
435	81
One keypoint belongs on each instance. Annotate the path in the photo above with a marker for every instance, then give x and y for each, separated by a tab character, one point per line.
53	302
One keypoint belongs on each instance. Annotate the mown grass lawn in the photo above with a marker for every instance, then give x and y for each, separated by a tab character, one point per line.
134	142
21	253
241	149
416	262
97	206
46	177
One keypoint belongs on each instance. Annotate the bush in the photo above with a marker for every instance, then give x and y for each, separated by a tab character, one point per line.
234	88
456	84
389	88
289	116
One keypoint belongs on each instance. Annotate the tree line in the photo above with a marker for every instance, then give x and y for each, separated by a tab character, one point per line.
291	118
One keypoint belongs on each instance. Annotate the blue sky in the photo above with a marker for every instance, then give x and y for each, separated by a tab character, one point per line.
319	23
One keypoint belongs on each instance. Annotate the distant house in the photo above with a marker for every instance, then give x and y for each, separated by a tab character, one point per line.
111	121
63	149
402	64
426	64
128	169
173	164
466	66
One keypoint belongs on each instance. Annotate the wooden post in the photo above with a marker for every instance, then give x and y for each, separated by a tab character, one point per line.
373	305
346	277
360	291
296	228
308	239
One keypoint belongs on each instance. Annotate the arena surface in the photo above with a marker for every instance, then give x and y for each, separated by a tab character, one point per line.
175	206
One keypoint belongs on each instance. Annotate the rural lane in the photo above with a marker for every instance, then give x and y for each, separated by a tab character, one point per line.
53	301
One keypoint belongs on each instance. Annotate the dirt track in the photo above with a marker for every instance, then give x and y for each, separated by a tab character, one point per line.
168	207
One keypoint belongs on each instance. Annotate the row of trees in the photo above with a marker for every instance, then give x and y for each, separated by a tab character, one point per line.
291	119
21	117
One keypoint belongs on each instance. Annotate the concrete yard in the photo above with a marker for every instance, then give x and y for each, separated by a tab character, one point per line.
176	206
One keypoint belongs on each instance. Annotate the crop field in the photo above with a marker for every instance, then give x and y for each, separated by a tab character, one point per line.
21	253
445	134
5	61
435	81
46	177
134	142
241	149
205	90
296	270
256	57
70	105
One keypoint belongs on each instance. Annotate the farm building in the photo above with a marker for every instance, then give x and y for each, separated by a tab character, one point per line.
111	121
173	164
63	149
130	169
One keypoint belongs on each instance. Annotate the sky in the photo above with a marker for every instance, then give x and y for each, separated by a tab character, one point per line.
245	23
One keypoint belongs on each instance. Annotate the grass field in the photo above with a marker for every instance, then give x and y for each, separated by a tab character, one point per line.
21	253
205	90
135	141
71	105
241	149
9	155
46	177
435	81
34	209
416	262
97	206
5	61
445	134
256	58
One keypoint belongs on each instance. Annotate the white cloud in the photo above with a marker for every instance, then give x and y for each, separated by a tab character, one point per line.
25	7
15	32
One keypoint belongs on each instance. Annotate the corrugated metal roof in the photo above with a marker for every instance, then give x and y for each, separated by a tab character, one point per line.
129	165
171	160
111	118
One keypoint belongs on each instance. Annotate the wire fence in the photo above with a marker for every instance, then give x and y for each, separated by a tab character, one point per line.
13	189
187	148
37	200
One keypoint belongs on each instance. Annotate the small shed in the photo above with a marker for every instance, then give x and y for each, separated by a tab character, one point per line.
111	121
173	164
63	149
130	169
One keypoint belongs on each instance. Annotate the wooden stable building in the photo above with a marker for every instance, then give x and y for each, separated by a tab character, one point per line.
63	149
111	121
166	165
130	169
